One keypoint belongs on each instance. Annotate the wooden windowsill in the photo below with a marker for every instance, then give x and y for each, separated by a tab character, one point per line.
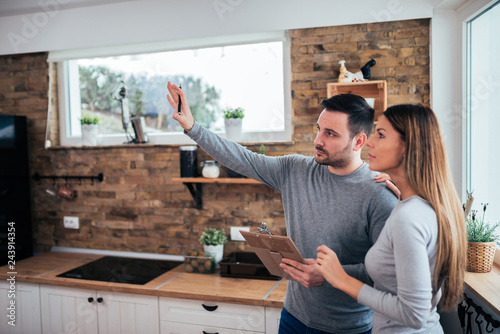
486	286
149	145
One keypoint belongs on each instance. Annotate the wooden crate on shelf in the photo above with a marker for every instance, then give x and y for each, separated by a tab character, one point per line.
376	89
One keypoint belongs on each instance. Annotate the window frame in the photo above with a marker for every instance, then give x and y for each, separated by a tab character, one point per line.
467	15
65	66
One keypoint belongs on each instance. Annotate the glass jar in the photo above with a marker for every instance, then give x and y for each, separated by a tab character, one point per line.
210	169
189	161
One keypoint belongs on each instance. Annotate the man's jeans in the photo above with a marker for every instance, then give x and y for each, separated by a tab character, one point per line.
291	325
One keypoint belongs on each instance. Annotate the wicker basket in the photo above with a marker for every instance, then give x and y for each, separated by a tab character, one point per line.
480	256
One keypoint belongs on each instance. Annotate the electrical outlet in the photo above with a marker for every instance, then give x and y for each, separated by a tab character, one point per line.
235	233
71	222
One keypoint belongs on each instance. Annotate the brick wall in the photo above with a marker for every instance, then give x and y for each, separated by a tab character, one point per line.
137	207
400	48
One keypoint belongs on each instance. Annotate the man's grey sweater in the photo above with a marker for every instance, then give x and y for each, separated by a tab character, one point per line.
343	212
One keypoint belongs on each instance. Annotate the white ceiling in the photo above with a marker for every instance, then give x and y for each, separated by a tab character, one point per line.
22	7
450	4
83	24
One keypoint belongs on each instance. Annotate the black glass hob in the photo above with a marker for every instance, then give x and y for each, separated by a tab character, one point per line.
121	270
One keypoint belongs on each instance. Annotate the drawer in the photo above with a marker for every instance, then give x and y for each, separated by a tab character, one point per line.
214	314
178	328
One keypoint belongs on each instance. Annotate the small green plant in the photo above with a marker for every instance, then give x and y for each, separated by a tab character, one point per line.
234	113
87	119
213	237
478	230
262	149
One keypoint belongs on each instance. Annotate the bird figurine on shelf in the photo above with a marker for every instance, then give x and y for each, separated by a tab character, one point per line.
363	75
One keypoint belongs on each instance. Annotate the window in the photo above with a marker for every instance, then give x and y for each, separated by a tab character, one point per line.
483	113
251	73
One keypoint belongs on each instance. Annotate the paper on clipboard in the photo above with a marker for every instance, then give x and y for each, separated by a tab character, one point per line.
271	249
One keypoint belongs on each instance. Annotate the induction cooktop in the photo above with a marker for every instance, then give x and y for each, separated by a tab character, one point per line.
122	270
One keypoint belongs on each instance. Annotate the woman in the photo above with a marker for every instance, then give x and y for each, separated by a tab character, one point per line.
422	247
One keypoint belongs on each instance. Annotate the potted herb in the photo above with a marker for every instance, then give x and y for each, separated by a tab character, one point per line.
481	239
262	149
90	128
213	241
233	122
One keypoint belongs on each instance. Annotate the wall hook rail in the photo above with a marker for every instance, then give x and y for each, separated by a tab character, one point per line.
99	177
463	309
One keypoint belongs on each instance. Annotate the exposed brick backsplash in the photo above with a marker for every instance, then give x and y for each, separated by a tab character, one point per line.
137	207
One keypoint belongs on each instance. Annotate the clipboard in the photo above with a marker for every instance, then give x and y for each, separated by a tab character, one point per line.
271	249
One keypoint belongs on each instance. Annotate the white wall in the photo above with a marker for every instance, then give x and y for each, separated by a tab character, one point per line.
445	94
56	27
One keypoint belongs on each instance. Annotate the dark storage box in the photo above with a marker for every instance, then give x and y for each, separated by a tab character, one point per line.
244	265
234	175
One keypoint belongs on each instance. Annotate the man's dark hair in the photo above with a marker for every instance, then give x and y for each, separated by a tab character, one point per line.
360	113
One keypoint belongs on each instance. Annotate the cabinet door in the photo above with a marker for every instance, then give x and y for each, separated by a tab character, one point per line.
178	328
273	317
127	313
68	310
213	314
25	311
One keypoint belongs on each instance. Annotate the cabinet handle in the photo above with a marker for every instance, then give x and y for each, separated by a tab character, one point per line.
209	333
90	299
99	300
209	308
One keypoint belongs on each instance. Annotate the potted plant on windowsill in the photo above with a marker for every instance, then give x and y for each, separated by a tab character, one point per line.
213	241
481	239
233	123
90	129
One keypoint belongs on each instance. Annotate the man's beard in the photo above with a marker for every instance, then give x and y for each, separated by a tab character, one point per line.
339	160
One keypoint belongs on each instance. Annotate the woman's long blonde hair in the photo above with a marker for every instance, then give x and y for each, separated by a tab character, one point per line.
428	174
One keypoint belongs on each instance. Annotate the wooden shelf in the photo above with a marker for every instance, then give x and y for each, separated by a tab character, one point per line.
194	185
217	180
376	89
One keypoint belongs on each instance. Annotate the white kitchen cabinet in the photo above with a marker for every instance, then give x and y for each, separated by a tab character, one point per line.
273	317
27	308
69	310
193	316
126	313
178	328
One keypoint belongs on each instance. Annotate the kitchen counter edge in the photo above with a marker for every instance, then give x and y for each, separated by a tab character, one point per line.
44	268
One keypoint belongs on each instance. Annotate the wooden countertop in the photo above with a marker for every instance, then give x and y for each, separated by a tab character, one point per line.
486	286
44	268
277	295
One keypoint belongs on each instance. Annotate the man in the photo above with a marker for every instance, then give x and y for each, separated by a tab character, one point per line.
330	199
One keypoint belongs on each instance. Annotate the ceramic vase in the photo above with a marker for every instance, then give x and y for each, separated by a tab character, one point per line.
216	252
89	134
233	128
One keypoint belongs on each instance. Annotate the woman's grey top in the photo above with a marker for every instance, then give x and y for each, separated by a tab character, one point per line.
401	264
